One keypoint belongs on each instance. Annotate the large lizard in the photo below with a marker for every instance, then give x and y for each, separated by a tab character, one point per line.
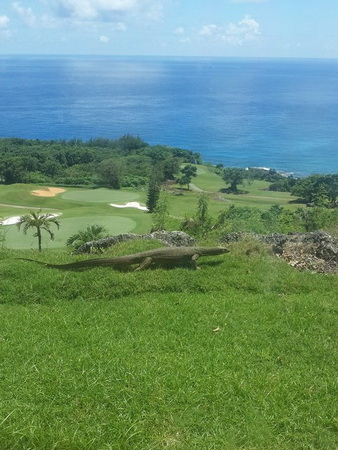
165	256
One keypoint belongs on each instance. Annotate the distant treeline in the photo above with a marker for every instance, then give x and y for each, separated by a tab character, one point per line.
127	161
314	190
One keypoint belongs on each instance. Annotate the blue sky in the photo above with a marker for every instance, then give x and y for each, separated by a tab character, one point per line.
254	28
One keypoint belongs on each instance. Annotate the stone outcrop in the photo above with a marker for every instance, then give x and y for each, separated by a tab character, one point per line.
316	251
169	238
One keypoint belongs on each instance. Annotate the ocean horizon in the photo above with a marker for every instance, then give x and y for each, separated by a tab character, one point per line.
241	112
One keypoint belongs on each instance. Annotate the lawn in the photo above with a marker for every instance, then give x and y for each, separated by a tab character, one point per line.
100	196
241	354
77	208
254	194
114	225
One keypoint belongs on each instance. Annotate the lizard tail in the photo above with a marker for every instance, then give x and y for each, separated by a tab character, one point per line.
80	265
52	266
33	260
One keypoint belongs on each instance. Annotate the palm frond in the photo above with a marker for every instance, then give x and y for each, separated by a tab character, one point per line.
39	221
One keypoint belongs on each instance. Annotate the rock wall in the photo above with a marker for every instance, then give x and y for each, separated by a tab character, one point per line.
316	251
169	238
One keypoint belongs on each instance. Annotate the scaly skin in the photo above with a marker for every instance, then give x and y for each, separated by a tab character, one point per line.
160	256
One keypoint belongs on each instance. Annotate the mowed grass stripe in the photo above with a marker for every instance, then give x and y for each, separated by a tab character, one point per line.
100	195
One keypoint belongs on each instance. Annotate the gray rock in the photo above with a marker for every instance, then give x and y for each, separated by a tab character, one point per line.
169	238
316	250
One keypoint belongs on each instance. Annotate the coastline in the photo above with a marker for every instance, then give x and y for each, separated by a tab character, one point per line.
269	116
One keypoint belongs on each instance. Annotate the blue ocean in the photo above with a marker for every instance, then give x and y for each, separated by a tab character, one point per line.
275	113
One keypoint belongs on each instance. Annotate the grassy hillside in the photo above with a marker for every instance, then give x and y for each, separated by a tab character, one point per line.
240	354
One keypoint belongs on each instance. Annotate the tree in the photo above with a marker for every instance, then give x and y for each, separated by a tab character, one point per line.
39	221
51	167
171	167
161	214
234	176
333	189
111	170
187	172
202	214
91	233
128	143
13	170
200	224
304	188
154	188
321	197
313	218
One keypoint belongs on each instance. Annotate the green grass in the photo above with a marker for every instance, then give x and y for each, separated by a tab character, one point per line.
207	179
78	208
100	195
69	226
256	194
241	354
260	197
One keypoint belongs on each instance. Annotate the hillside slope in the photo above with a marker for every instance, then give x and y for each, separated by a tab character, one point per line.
239	354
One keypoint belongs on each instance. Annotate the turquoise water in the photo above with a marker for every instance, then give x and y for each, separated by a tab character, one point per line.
275	113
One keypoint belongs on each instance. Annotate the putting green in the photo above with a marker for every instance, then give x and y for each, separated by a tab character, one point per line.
114	224
100	196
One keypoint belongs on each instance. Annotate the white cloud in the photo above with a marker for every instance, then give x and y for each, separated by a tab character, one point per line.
4	21
179	30
94	9
209	30
26	14
119	26
106	10
4	30
153	10
104	39
238	33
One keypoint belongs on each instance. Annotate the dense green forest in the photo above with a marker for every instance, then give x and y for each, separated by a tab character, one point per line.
125	162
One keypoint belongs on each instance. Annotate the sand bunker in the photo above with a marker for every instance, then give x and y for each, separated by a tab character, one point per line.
15	219
48	192
130	205
11	220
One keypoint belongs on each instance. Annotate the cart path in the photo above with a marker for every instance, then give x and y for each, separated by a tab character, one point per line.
25	207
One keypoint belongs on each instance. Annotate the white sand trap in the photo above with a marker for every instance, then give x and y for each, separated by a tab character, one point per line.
48	192
130	205
15	219
11	220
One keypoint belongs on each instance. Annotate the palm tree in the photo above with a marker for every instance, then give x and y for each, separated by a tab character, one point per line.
91	233
40	222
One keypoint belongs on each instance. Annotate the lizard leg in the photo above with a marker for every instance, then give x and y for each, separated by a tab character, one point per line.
194	261
145	263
